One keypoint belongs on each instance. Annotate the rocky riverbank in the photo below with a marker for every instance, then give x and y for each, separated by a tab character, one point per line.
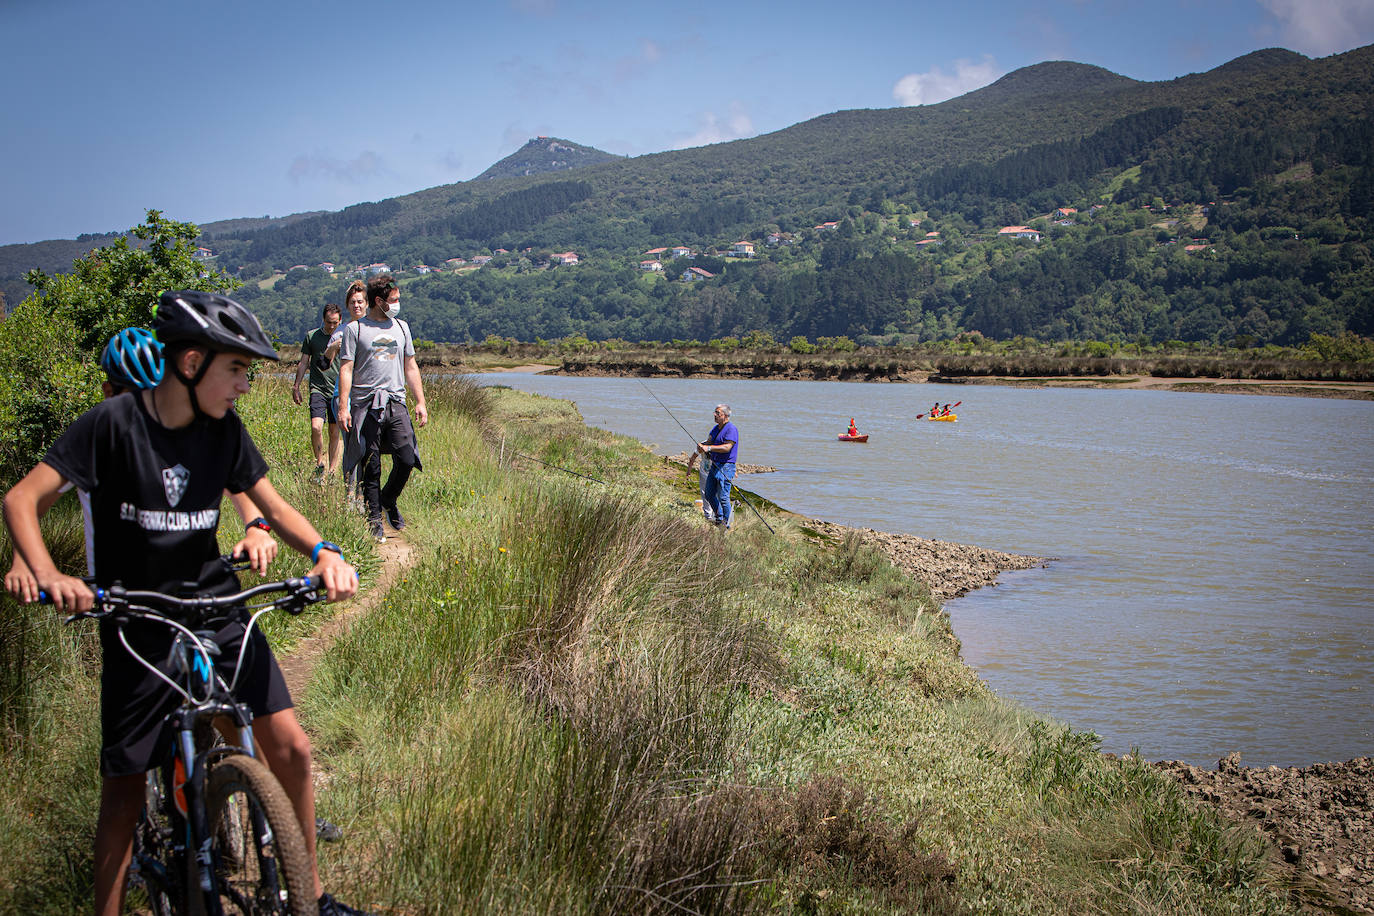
947	569
1319	818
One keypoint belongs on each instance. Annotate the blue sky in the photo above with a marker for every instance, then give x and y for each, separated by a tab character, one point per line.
215	110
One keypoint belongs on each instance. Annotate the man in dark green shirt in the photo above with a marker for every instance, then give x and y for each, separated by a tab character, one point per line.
324	380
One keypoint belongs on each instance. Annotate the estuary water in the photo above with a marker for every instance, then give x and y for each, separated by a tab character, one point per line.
1214	587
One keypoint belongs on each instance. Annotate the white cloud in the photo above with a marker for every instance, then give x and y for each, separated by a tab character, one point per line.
364	167
935	85
1321	27
716	129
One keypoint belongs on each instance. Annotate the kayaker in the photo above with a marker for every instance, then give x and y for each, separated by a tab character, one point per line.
853	430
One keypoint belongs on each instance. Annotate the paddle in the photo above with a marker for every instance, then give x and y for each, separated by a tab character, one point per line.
952	406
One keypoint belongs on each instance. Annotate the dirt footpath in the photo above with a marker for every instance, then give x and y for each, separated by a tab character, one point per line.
397	555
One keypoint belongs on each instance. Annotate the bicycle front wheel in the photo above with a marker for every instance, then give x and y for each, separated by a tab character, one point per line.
261	865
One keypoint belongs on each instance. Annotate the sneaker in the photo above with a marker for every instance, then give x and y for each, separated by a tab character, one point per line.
331	907
377	531
326	832
393	515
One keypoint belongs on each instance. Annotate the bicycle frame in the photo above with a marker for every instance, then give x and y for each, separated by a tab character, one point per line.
205	697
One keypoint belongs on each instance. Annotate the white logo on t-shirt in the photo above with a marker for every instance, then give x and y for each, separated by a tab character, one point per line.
174	481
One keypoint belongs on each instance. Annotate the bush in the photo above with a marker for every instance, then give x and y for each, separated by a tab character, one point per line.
758	340
801	345
50	344
837	344
1348	348
46	382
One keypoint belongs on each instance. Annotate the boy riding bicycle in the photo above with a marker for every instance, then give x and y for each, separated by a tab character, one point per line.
155	465
132	361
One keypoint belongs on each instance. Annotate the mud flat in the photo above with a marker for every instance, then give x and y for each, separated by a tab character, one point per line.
1319	818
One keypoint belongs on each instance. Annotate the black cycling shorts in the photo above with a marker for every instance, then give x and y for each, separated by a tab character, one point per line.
134	701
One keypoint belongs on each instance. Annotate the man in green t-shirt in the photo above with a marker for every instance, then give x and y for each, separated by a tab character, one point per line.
324	380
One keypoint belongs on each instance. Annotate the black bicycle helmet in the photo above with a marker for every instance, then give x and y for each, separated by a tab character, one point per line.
133	359
210	320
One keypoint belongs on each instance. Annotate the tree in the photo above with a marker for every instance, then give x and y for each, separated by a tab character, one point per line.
50	344
118	285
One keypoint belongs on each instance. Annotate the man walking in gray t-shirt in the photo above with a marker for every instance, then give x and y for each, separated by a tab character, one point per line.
376	363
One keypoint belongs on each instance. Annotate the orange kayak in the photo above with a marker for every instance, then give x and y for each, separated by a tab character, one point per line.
846	437
947	418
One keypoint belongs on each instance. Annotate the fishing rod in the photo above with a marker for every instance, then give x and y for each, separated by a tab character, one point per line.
556	467
695	444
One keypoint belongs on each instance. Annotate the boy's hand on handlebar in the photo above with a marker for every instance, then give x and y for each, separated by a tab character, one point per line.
67	593
260	549
340	579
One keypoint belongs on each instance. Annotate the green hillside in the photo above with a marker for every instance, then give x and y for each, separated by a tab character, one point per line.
1227	206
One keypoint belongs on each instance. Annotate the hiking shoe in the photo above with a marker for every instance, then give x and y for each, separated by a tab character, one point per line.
393	515
326	832
331	907
377	531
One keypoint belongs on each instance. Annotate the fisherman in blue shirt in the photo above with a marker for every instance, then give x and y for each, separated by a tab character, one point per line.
721	447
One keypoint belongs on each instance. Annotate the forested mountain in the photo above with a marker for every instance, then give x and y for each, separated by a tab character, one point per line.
542	155
1236	204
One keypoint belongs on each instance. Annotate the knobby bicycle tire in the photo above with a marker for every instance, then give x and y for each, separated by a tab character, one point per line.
257	878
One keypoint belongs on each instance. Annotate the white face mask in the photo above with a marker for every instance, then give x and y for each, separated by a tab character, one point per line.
392	308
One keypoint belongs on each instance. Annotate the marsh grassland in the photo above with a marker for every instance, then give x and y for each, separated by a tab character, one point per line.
581	700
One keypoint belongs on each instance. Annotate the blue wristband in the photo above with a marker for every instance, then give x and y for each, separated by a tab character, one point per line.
324	545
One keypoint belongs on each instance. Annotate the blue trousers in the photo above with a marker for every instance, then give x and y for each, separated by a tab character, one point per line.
718	491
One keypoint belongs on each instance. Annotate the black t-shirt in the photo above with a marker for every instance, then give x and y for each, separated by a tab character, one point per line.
155	493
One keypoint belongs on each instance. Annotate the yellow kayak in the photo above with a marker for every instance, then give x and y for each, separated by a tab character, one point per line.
947	418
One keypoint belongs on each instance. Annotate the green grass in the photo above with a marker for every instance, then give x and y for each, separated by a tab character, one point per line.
583	700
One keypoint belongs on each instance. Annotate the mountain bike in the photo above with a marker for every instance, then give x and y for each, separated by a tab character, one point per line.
218	834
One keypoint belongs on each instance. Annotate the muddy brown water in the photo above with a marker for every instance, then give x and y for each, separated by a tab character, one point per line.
1215	591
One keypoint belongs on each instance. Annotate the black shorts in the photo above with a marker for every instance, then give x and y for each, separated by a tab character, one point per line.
134	701
322	406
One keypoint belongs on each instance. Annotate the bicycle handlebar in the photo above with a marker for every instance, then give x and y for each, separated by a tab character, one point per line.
115	600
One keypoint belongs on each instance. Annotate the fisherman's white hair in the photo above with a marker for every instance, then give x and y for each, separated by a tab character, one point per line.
724	407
